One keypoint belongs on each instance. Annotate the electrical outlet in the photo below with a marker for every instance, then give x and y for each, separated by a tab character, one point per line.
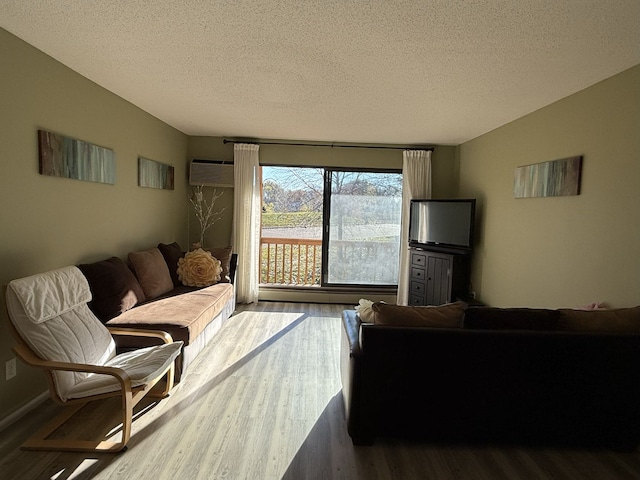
10	369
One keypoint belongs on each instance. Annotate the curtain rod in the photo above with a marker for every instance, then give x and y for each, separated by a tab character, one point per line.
332	145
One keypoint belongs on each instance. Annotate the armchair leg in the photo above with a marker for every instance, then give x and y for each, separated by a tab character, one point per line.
168	385
39	440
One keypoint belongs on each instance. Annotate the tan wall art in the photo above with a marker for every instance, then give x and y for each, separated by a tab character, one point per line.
548	179
154	174
62	156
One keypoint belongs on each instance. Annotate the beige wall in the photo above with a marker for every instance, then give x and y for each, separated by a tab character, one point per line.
48	222
562	251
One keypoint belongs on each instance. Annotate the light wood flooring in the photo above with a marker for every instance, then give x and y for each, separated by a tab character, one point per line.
263	402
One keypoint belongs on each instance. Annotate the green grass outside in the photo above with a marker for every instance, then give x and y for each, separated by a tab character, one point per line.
292	219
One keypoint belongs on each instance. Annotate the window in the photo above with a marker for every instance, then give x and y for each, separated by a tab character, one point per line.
330	226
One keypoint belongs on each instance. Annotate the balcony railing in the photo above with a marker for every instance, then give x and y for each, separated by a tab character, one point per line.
290	261
298	262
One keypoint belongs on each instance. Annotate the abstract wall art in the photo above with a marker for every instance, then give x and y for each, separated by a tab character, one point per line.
154	174
548	179
62	156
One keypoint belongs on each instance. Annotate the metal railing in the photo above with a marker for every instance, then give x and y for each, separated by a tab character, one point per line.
290	261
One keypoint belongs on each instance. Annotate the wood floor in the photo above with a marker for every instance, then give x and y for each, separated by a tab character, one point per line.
263	402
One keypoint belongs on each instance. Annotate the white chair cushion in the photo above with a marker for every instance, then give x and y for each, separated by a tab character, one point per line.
141	365
46	295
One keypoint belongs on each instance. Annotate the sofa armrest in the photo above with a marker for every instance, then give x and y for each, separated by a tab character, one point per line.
354	393
233	266
351	324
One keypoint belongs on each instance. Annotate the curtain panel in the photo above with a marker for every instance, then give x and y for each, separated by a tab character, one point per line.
246	220
416	183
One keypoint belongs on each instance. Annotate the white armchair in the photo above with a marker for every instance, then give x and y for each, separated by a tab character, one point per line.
56	331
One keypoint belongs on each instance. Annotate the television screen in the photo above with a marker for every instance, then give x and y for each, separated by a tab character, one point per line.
446	223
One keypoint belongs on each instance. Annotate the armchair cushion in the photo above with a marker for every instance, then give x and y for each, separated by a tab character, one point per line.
45	296
141	365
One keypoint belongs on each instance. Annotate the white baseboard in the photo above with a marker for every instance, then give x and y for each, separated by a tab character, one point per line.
24	410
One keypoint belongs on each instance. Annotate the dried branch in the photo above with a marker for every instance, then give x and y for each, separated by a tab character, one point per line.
203	209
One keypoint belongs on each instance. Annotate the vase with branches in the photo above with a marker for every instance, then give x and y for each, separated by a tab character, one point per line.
203	209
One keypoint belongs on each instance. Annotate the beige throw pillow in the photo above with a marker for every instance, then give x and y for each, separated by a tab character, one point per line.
199	268
365	311
444	316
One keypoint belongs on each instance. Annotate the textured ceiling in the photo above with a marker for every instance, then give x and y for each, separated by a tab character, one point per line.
404	72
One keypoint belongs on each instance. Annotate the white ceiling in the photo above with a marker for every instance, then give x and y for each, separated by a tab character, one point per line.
376	71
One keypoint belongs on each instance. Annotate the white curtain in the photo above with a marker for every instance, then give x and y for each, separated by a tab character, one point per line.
246	220
416	183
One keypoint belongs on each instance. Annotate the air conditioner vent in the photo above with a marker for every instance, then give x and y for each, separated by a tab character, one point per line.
211	173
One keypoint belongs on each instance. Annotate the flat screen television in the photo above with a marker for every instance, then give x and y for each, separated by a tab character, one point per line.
446	224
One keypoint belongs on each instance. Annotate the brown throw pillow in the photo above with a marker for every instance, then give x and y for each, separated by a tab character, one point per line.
152	272
224	255
114	289
445	316
172	253
621	320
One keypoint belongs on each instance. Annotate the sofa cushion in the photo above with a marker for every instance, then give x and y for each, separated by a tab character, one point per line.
448	316
488	318
224	255
172	253
152	272
184	316
621	320
113	287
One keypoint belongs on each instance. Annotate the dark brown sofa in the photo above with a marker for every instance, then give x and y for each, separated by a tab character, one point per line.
145	292
504	376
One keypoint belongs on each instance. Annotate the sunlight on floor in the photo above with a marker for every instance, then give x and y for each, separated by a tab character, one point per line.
84	466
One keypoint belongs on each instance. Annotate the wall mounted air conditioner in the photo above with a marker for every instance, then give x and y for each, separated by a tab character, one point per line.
211	173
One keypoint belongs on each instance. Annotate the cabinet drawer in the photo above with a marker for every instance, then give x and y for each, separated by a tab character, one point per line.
416	287
418	259
418	274
416	300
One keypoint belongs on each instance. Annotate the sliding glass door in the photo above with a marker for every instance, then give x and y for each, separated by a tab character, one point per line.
362	227
330	227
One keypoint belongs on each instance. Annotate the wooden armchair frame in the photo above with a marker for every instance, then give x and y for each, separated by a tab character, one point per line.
130	396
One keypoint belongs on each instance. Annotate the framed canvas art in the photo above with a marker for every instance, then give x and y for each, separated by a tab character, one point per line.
62	156
152	174
548	179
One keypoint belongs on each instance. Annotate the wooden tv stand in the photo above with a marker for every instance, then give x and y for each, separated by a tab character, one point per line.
438	277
